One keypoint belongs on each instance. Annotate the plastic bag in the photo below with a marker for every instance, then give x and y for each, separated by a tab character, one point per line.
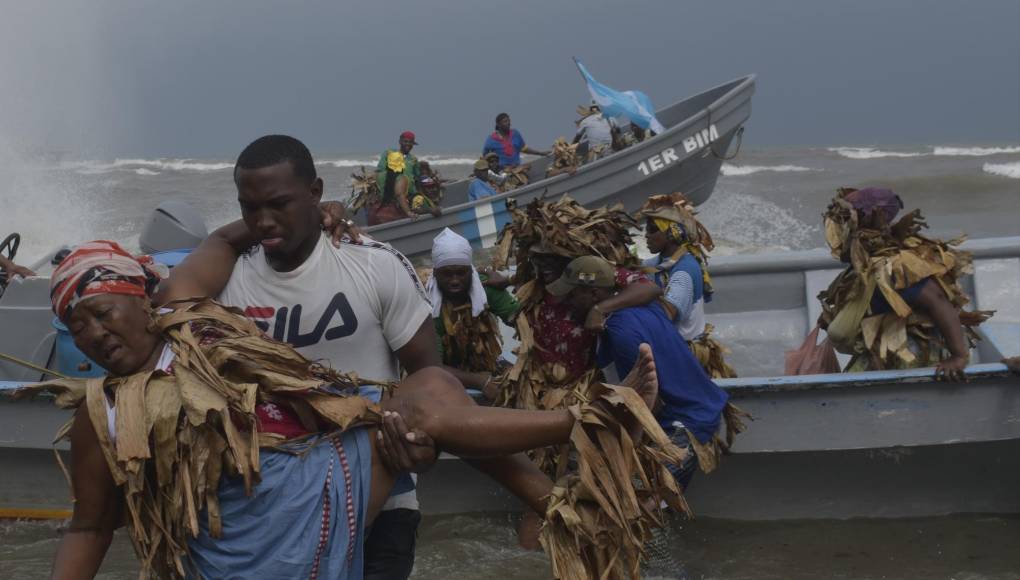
812	358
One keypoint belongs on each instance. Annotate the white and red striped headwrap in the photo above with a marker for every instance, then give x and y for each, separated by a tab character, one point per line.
100	267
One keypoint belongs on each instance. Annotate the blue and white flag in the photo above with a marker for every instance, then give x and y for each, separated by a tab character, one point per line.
634	105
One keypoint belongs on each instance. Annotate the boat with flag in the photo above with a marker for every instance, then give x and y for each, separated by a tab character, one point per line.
697	134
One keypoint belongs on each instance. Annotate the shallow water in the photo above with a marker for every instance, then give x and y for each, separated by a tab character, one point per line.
964	547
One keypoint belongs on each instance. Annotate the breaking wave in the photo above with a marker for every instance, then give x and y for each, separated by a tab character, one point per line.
870	153
940	151
152	165
1004	169
144	171
975	151
731	170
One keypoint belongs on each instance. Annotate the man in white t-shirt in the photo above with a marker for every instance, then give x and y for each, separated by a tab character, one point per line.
358	307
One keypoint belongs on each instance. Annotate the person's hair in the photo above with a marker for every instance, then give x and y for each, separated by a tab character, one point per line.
274	149
501	116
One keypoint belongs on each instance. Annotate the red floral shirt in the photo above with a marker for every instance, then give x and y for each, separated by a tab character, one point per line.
560	339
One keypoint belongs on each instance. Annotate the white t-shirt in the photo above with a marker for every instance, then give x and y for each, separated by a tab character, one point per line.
351	307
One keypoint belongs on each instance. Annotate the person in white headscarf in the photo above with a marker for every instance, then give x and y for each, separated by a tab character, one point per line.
465	312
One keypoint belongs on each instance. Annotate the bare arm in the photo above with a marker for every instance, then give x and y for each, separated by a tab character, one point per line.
421	351
636	294
206	270
97	506
14	269
933	300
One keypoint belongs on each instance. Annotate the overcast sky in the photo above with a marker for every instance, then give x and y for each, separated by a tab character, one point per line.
203	78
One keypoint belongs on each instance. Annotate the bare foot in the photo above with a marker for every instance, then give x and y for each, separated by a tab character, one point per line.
643	378
1012	363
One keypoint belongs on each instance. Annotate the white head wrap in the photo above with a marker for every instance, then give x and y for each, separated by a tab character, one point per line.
451	249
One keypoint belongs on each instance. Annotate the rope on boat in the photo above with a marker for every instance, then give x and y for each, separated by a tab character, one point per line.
32	366
711	146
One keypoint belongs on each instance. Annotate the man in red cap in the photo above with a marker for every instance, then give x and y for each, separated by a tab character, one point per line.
411	169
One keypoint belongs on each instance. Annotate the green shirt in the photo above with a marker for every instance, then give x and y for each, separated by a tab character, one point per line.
411	170
501	303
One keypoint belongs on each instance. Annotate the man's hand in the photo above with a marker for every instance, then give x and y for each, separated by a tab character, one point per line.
401	449
494	279
596	320
16	270
951	369
336	223
436	211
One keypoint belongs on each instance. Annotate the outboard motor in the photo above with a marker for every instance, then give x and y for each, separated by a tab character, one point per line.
174	225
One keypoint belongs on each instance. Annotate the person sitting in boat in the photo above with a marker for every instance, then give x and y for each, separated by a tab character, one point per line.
479	186
899	304
497	177
465	312
394	184
595	133
412	167
690	405
10	269
508	143
429	192
226	452
680	267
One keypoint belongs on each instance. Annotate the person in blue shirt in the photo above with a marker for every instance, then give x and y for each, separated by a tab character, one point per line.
479	186
508	143
691	407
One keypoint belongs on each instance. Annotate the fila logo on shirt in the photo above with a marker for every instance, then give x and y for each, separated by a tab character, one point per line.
336	321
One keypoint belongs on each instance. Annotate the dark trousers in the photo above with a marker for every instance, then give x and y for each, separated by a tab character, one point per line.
389	547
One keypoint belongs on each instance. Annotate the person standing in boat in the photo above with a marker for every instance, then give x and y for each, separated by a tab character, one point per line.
595	133
508	143
480	186
356	306
899	304
467	313
680	267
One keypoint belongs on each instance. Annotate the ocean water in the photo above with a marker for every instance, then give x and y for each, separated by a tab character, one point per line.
767	199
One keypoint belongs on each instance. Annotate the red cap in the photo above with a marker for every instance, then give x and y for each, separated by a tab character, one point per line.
408	135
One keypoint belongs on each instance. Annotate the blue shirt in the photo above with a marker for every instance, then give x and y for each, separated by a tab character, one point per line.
479	188
688	394
496	146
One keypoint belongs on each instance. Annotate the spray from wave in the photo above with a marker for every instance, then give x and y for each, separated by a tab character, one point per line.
736	170
1003	169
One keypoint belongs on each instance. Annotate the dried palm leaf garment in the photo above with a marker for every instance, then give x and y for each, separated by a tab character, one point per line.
564	156
675	215
364	190
555	366
886	258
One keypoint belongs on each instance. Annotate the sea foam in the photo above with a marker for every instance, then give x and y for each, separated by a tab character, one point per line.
870	153
733	170
1004	169
975	151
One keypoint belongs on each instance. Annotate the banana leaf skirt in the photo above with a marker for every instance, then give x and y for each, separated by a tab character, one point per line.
305	519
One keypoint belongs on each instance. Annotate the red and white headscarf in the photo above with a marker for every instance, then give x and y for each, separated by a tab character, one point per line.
100	267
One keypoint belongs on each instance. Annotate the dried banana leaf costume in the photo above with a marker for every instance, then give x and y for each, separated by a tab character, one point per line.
864	307
197	447
555	365
684	278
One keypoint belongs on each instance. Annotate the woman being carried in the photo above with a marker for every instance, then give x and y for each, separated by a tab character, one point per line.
226	452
